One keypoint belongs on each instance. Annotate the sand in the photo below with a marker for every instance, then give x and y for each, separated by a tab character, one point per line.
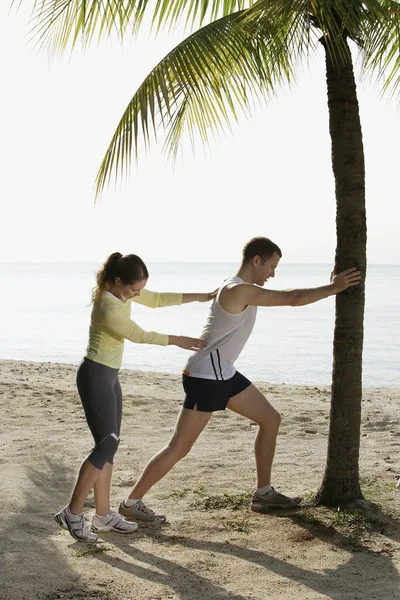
213	546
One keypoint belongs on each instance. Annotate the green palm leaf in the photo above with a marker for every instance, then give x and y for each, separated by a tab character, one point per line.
381	48
58	23
199	87
335	21
220	70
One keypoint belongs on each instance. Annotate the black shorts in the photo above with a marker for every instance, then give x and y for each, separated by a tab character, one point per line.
210	394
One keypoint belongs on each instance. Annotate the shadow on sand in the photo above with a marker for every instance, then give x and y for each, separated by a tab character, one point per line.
31	566
365	575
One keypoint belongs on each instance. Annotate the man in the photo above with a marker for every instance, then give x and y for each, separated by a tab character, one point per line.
212	383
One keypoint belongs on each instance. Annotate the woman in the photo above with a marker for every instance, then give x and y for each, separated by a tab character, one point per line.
120	282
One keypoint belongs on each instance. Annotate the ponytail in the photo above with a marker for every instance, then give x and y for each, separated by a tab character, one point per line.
105	275
128	268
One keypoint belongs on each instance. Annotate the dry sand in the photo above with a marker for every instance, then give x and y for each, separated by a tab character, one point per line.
208	549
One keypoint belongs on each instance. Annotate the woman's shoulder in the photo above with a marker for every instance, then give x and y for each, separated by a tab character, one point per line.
108	301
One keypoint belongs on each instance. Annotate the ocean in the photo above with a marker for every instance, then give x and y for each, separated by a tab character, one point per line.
45	313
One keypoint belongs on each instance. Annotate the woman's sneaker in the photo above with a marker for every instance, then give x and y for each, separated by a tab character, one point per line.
272	499
140	512
112	522
75	524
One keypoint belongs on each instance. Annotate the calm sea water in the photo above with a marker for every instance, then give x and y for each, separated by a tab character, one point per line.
45	311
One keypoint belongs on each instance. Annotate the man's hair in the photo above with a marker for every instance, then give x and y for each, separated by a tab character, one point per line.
260	246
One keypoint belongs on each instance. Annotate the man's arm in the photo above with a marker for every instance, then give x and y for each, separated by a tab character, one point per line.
237	297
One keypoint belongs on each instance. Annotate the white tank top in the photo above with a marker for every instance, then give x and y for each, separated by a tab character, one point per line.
226	335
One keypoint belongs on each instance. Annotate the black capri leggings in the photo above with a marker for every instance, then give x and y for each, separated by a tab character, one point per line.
101	396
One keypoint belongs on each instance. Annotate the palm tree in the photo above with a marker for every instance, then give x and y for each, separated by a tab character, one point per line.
240	51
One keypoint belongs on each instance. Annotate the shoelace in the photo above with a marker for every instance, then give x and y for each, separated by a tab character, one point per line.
84	526
113	518
143	508
116	516
117	519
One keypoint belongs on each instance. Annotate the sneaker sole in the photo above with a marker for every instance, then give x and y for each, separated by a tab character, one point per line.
112	529
267	507
124	512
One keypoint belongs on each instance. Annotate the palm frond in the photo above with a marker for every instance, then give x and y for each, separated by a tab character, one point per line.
200	86
381	48
58	24
196	12
335	21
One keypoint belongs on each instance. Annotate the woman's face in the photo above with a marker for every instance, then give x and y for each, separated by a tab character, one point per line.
128	291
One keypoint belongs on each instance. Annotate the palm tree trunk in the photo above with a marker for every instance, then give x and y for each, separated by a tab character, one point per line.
341	480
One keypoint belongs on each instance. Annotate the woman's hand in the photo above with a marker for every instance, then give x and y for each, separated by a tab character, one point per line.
185	342
209	296
186	298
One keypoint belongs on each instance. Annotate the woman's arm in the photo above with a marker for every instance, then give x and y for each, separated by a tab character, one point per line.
161	299
123	327
158	299
186	298
187	343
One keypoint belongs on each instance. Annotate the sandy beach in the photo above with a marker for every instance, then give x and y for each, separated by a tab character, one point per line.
213	546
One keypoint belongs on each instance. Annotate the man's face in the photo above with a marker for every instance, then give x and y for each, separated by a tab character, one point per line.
265	270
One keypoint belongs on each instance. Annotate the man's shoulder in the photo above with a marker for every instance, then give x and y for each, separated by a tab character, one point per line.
234	297
236	286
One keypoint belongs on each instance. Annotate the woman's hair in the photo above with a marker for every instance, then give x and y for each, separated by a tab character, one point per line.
128	268
260	246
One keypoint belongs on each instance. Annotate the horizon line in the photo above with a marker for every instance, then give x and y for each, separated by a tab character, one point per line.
169	262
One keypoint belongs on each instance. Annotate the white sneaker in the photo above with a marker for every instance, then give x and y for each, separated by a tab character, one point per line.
76	525
140	512
112	522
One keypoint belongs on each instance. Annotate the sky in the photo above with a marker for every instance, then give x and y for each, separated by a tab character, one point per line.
271	175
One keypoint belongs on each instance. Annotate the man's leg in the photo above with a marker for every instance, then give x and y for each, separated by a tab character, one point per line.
189	425
253	405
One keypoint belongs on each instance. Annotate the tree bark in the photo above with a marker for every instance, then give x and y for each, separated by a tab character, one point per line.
341	479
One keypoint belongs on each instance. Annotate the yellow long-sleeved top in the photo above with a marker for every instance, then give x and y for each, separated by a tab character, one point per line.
110	325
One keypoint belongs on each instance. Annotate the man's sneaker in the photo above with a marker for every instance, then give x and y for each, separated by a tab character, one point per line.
112	522
272	499
76	525
140	512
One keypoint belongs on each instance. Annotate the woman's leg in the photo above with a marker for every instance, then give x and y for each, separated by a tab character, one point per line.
87	479
102	490
103	482
96	389
102	400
